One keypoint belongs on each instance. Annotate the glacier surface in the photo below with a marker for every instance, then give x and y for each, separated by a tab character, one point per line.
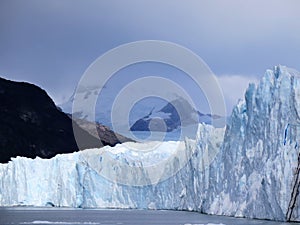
245	170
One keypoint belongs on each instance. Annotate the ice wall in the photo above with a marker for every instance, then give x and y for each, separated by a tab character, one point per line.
96	177
259	153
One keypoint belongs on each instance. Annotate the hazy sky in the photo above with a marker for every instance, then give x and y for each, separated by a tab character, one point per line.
52	42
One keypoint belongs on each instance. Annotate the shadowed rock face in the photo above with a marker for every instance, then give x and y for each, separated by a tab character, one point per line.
106	135
31	125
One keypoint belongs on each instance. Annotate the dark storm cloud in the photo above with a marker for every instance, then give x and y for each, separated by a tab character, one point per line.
52	42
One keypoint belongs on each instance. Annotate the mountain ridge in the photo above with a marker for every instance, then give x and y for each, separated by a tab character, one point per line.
32	125
173	115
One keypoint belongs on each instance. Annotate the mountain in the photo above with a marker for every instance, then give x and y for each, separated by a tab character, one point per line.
251	169
161	114
31	125
149	114
175	114
104	106
106	135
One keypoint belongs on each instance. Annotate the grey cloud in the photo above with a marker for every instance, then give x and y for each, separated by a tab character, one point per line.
52	42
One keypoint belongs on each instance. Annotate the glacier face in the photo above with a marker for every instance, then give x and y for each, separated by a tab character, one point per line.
245	171
95	177
259	152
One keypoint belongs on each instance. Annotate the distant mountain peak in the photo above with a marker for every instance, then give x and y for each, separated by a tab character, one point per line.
174	115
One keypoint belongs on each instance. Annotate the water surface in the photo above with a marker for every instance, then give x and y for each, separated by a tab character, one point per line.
23	215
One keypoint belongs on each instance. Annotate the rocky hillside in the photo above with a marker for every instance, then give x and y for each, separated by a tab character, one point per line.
106	135
31	125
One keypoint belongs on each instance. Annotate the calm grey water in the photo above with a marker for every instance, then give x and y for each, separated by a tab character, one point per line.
118	217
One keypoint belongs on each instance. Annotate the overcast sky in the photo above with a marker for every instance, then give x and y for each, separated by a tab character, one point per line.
52	42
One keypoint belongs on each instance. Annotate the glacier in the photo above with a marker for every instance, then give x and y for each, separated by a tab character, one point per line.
248	169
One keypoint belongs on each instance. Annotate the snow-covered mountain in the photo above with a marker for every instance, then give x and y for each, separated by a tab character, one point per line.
250	170
151	113
103	110
173	115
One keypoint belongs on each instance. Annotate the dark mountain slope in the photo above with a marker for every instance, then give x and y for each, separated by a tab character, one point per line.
31	125
107	136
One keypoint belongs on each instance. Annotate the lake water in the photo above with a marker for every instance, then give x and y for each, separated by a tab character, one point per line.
50	216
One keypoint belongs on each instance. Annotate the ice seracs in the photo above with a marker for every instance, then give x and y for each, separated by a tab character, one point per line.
246	171
256	163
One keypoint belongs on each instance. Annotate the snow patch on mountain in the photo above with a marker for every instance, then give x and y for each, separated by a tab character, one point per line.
175	115
104	106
